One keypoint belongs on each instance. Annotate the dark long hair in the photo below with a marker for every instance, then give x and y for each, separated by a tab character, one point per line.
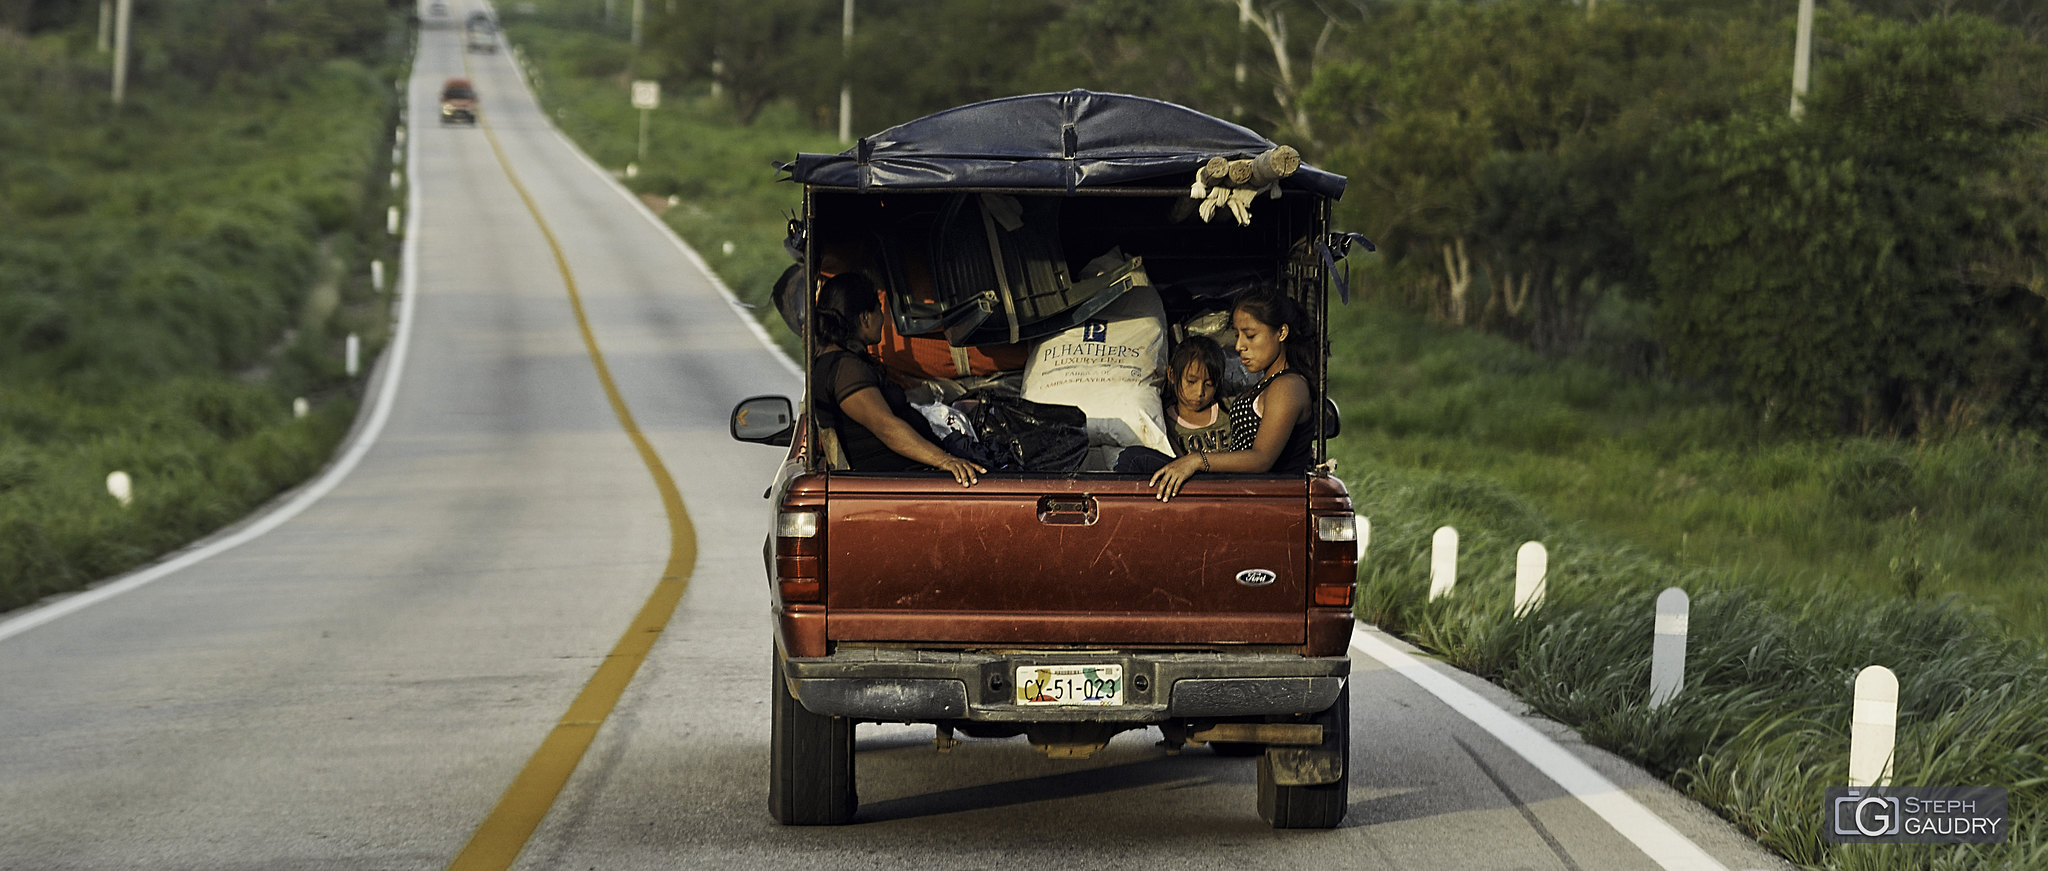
841	302
1194	349
1275	310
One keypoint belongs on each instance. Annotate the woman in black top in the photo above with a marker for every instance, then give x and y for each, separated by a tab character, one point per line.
1273	425
877	428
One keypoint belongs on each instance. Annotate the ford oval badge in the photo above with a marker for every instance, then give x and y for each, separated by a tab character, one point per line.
1256	577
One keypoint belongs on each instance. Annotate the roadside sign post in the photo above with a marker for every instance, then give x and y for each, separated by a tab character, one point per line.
1667	646
646	96
1443	562
1532	568
1873	727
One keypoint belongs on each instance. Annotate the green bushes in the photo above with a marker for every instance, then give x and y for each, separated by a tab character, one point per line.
157	277
1630	183
202	453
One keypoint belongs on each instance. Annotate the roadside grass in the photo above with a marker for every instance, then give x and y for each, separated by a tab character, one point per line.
1778	632
173	274
1805	560
202	454
1684	479
1762	724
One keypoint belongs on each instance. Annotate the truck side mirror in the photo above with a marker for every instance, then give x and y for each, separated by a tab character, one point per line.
1332	423
766	420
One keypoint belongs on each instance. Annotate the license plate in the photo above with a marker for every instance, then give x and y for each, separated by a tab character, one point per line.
1070	685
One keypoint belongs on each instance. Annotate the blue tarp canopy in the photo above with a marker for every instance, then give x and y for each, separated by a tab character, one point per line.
1066	142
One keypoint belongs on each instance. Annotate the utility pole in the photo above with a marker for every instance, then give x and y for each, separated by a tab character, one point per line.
1242	73
846	82
123	11
639	11
1802	57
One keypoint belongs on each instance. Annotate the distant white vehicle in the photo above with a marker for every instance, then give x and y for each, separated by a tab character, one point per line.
483	33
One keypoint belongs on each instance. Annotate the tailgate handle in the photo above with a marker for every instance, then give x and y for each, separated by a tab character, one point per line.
1067	510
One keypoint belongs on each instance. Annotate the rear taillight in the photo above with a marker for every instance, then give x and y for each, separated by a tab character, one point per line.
1340	539
799	556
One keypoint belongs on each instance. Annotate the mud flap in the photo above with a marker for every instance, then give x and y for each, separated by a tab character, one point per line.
1305	766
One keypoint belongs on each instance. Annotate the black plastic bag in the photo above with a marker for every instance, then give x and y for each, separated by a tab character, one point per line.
1021	435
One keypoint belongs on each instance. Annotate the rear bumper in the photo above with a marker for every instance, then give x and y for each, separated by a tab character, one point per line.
888	685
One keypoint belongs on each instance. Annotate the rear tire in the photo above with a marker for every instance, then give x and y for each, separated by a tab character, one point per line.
810	762
1320	806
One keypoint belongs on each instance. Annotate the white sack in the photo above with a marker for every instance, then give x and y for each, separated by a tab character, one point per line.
1112	367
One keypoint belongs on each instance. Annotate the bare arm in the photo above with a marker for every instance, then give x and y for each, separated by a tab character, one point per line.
1286	400
872	411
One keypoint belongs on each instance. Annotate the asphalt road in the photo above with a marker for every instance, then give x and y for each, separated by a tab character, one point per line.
357	681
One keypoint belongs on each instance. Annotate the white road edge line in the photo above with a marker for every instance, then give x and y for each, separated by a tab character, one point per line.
394	367
36	616
1649	832
739	308
732	300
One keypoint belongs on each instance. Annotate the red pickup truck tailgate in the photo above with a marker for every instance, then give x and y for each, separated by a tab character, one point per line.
1069	561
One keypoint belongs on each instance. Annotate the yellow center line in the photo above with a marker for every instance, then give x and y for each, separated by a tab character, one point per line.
502	835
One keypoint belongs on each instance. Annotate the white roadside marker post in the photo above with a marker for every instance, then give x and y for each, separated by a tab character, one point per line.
394	179
1873	727
121	487
1364	526
352	355
377	275
301	408
1667	651
391	221
1532	568
1443	562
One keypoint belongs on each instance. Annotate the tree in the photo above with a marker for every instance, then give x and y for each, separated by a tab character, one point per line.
1491	147
1289	67
28	17
1851	232
756	51
914	58
1175	50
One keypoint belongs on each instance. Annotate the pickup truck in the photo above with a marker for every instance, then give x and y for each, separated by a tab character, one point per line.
458	102
1065	606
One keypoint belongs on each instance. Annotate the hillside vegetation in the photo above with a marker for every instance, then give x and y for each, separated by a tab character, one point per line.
176	270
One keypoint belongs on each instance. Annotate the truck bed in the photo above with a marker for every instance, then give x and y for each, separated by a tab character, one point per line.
1093	560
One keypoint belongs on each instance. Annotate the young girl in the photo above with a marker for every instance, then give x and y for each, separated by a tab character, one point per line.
1273	341
1196	418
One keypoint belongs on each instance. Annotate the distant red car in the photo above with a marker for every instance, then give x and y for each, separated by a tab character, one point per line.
458	102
